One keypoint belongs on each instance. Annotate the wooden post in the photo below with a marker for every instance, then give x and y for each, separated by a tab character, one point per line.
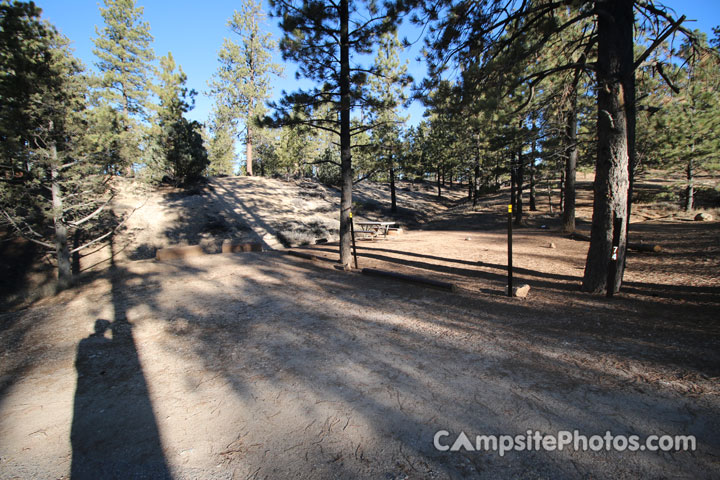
510	279
352	233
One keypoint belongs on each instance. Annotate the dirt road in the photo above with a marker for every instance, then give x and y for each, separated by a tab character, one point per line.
261	365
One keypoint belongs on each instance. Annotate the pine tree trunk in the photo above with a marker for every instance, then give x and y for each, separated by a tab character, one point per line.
439	186
549	194
568	218
561	202
249	152
393	198
477	180
614	73
61	237
519	181
345	154
513	182
533	201
690	189
126	112
531	166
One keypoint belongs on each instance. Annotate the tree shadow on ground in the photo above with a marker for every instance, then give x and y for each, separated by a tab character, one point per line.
477	365
114	432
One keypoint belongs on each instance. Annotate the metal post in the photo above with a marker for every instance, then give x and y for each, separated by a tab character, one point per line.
510	276
352	233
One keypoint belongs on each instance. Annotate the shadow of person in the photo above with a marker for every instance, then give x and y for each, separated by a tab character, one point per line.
114	433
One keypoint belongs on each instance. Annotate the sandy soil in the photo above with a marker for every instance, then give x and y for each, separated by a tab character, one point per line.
262	365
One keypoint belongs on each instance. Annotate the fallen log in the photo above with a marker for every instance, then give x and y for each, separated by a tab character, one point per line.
409	278
637	246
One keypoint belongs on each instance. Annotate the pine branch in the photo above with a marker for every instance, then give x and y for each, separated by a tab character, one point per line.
23	235
93	214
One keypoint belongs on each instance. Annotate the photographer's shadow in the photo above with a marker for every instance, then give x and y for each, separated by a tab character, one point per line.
114	432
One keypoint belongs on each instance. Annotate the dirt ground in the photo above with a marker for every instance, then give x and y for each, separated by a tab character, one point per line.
263	365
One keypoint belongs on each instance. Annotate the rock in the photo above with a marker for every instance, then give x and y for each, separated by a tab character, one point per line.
467	239
552	245
703	217
521	291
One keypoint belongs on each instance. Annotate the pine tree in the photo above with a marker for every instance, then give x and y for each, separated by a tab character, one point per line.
688	123
181	151
389	89
220	145
467	29
242	83
52	187
322	38
124	52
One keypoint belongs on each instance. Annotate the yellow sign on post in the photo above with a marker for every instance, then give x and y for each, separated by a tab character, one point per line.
350	214
509	208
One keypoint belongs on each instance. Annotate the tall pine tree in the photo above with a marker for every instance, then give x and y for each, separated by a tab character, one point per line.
242	83
51	187
388	87
124	52
326	39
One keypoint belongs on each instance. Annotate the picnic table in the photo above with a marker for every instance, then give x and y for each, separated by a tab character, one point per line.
374	229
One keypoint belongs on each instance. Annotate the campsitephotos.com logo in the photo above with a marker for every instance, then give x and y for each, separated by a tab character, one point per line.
562	440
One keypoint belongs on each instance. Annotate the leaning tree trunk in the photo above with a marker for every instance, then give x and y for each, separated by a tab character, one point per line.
614	74
568	217
345	155
61	235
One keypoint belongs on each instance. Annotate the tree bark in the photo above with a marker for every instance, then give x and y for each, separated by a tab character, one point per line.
129	172
513	182
439	186
61	237
568	217
345	153
393	198
476	185
531	167
249	151
561	201
690	189
519	181
614	75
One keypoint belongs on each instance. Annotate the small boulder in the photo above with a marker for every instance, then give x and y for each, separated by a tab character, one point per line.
703	217
521	291
552	245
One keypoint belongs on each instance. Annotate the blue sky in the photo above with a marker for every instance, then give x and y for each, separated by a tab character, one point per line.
194	30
